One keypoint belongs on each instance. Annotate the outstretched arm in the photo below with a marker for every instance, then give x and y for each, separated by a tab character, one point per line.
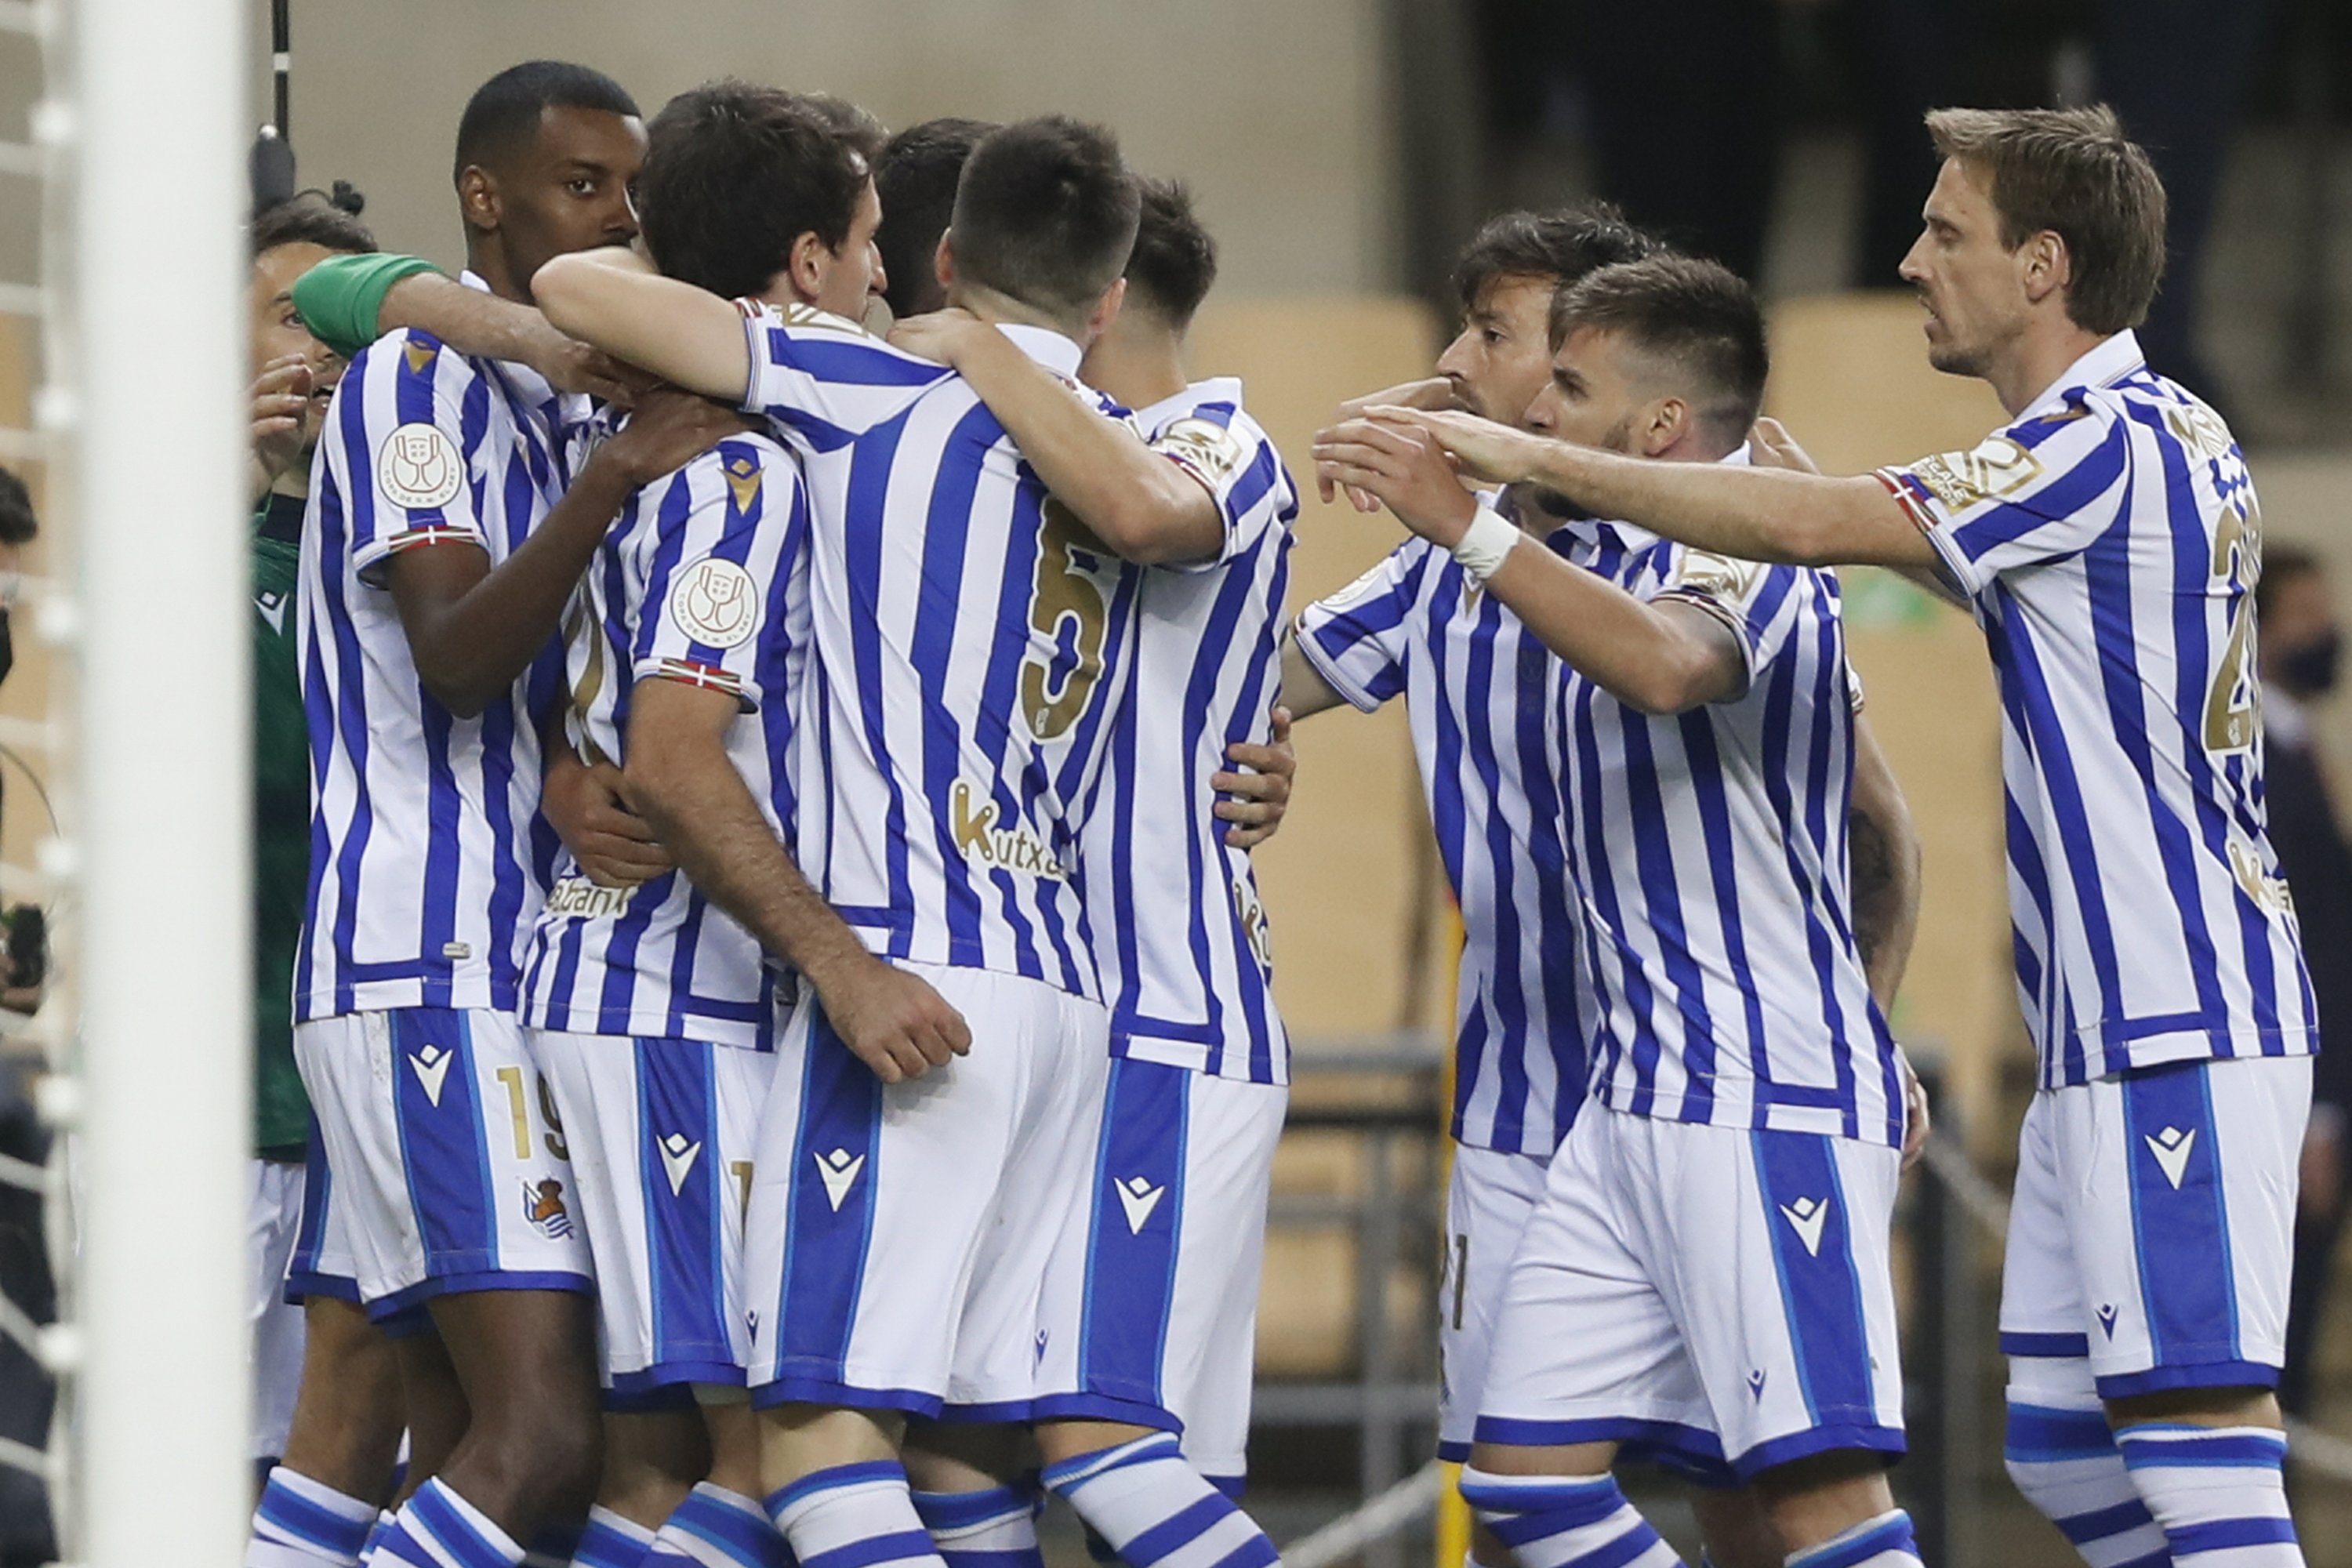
1143	507
1798	518
615	299
1654	655
680	777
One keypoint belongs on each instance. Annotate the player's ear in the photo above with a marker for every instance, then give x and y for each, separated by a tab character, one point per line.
2048	264
1669	418
477	198
943	268
1106	309
807	262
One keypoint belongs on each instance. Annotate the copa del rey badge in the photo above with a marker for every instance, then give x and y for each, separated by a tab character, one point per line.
715	603
418	467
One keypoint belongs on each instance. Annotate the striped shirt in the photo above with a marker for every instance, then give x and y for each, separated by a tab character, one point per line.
2108	541
972	643
1180	932
1477	688
703	581
427	856
1710	848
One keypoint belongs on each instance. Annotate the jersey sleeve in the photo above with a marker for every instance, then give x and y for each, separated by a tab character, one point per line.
1759	604
340	299
825	377
1235	462
729	533
1359	637
403	440
2040	490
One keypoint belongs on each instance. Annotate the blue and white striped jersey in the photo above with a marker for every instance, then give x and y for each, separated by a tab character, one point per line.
705	581
427	854
2109	540
1477	688
971	644
1180	932
1710	848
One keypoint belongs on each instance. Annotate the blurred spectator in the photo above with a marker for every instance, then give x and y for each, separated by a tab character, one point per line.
2301	648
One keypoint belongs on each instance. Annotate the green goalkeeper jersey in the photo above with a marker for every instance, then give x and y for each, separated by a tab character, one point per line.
281	830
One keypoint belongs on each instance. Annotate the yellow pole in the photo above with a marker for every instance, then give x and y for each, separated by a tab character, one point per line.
1453	1528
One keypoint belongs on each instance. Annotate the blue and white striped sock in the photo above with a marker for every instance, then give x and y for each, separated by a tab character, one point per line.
2220	1492
1155	1510
1885	1541
1565	1521
2064	1460
438	1529
717	1527
303	1523
853	1516
991	1528
611	1541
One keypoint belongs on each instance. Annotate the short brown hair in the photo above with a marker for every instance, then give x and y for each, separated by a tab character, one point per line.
1556	246
1696	315
2076	174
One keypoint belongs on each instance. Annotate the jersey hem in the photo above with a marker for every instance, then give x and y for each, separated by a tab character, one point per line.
690	1028
403	996
1191	1055
2116	1057
1736	1115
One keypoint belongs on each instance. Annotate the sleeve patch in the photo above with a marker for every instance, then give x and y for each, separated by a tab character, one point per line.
715	603
1716	576
419	467
1205	447
1998	467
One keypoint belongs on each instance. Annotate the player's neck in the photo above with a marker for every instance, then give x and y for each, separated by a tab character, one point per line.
1135	369
487	263
2043	352
1002	309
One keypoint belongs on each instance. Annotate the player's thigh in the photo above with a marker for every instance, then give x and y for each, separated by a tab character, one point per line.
1777	1248
1063	1117
867	1206
2179	1188
1585	1349
1489	1195
2043	1315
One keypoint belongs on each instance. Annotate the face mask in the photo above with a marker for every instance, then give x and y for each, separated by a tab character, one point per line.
2311	669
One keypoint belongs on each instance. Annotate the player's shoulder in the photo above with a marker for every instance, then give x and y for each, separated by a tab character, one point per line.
744	472
820	342
413	354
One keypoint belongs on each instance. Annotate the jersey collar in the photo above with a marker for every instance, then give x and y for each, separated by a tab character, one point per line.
1046	346
2108	361
1215	389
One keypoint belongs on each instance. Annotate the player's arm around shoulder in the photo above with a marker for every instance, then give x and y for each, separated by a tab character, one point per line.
614	299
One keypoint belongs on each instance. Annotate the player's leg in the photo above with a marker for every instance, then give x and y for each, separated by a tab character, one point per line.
859	1252
1737	1528
1119	1198
719	1524
1584	1356
1784	1291
1489	1195
2183	1186
440	1139
976	1491
273	1224
2059	1448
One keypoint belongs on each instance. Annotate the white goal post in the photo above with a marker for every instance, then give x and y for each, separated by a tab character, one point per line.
161	847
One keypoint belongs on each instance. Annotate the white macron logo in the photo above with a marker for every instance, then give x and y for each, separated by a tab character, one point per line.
2171	1148
1808	1215
1139	1198
432	1065
678	1159
838	1170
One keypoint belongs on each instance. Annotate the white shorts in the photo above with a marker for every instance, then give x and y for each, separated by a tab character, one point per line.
1151	1300
442	1156
660	1136
1717	1299
273	1220
1488	1200
898	1237
2153	1225
323	1263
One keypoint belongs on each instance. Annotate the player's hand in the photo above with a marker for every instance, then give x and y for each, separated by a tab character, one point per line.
615	846
1254	794
281	396
570	365
1770	446
1404	469
891	1020
940	336
1917	1120
667	429
1431	392
1480	448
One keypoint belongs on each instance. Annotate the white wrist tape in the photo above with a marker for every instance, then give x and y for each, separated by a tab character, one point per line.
1483	546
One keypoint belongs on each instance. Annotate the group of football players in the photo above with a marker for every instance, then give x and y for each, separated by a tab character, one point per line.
756	820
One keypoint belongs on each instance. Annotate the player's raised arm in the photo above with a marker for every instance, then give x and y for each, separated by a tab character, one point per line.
615	299
1797	519
1145	507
